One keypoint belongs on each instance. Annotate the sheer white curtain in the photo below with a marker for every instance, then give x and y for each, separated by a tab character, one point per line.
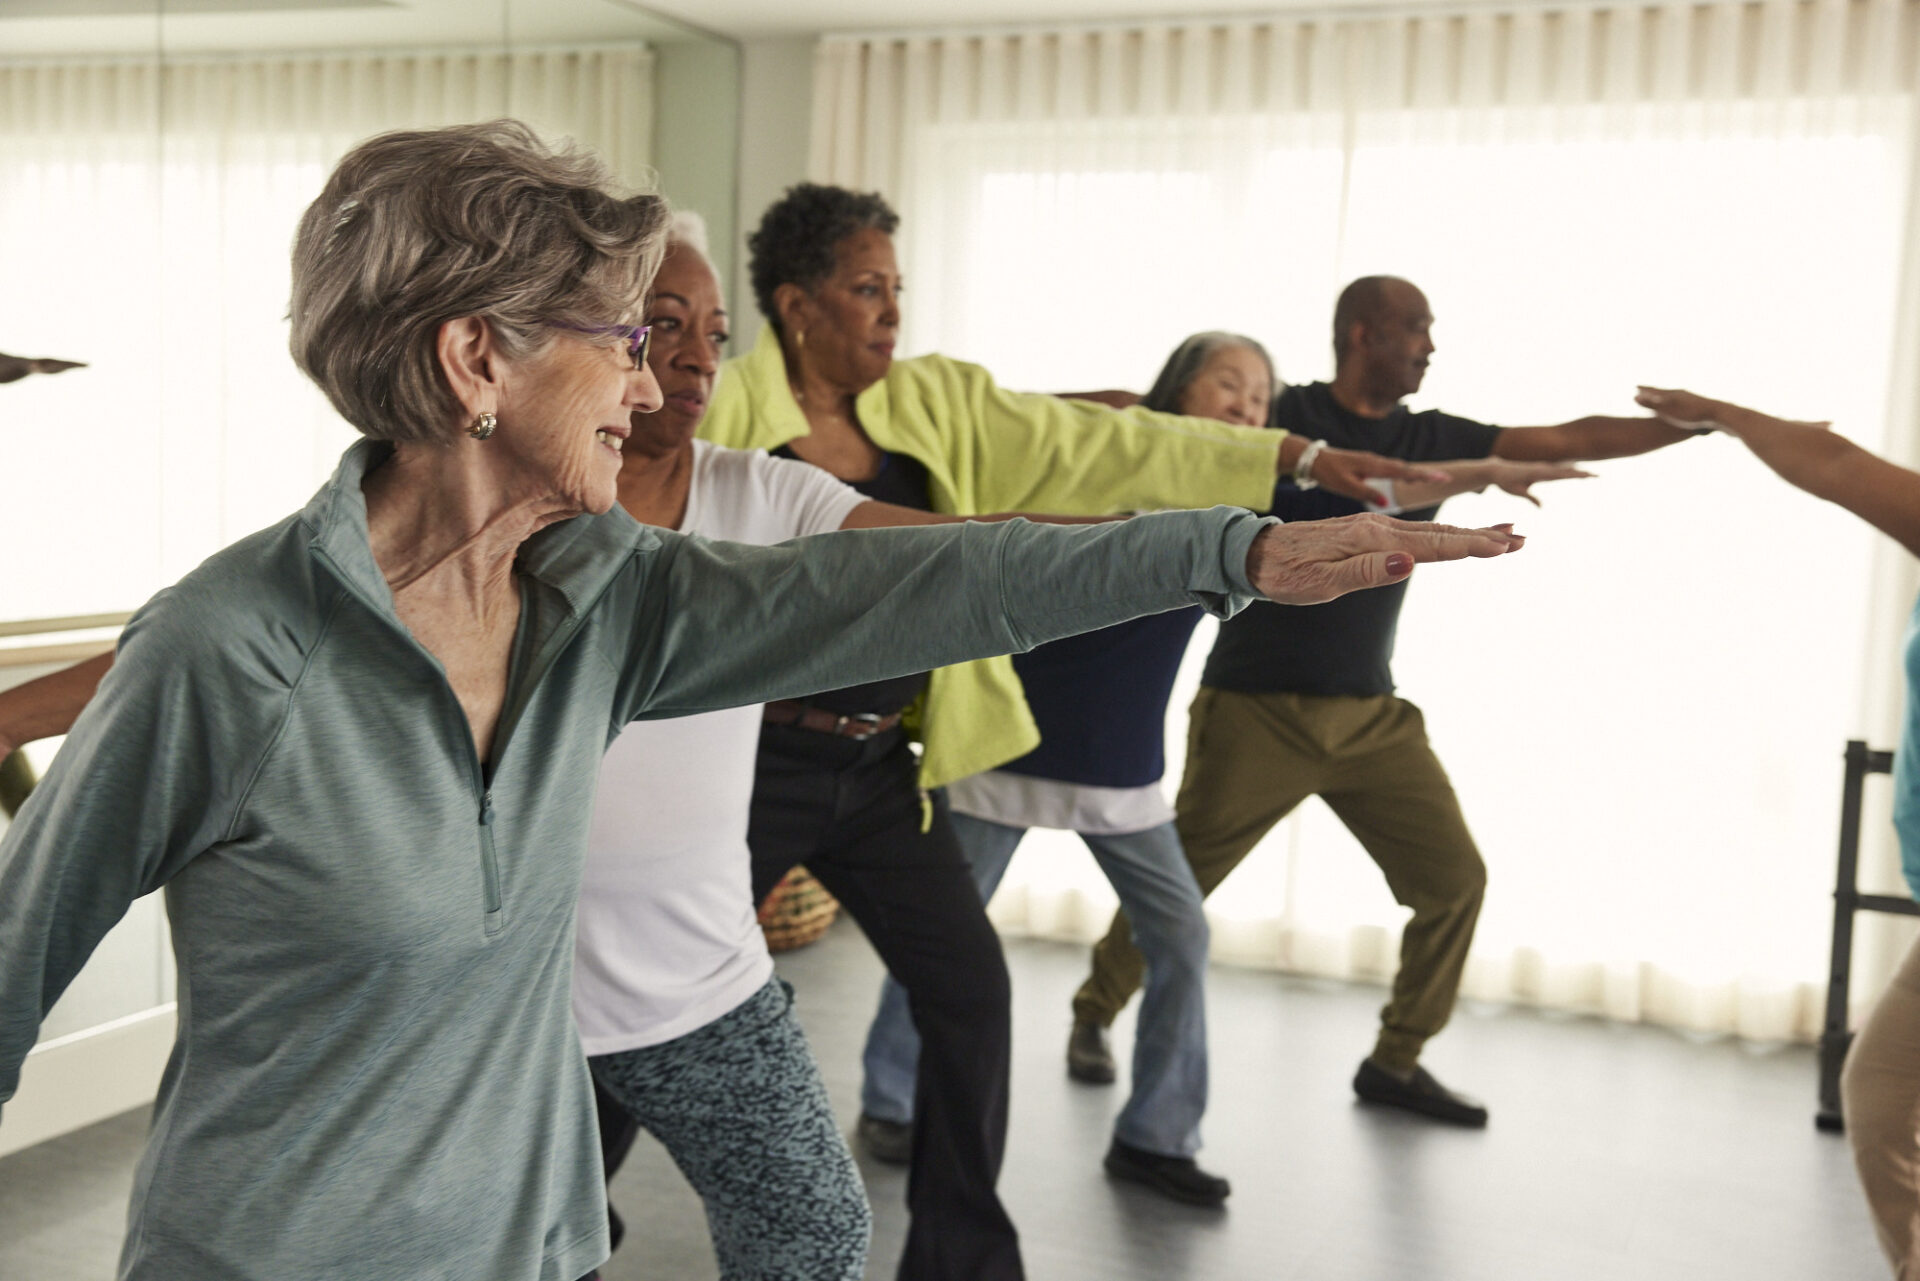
145	221
146	215
1643	713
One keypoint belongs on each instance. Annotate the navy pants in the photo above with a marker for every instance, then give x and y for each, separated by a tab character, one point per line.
852	812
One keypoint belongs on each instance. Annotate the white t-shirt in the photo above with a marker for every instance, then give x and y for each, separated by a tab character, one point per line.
1020	800
667	937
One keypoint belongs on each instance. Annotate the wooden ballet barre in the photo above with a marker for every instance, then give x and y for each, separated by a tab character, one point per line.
76	623
60	640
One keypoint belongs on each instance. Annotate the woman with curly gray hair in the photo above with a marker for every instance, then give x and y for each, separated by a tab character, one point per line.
357	749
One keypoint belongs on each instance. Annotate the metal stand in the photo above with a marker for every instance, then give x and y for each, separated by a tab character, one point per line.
1847	899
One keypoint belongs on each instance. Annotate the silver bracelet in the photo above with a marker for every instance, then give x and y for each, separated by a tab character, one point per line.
1303	466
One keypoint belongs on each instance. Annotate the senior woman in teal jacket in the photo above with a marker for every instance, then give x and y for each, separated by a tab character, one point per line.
358	749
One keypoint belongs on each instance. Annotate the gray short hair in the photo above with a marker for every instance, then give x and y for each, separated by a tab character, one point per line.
416	228
690	229
1189	358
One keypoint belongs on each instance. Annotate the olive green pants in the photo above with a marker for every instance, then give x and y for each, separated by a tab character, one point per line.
1251	759
16	781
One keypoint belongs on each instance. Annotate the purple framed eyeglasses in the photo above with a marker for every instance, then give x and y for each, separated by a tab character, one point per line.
638	338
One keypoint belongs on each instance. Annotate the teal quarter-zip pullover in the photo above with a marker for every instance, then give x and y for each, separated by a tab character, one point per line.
376	1076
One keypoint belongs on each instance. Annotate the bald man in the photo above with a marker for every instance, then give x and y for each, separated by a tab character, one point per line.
1300	702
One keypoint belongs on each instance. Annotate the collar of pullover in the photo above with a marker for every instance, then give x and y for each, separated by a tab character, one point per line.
577	558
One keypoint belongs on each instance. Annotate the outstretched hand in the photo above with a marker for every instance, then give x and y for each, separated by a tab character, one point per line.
1347	471
1309	562
1682	409
1691	412
1519	479
14	368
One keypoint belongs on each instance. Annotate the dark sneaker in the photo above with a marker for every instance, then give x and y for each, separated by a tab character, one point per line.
1171	1176
1088	1057
1419	1093
889	1141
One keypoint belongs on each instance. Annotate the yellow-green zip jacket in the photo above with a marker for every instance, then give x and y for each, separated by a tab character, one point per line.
987	450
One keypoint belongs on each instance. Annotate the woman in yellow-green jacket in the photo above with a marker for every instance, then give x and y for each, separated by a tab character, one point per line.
837	784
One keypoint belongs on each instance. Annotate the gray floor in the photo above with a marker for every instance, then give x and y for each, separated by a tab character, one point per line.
1615	1154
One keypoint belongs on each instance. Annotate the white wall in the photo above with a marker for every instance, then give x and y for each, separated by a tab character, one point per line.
696	124
776	110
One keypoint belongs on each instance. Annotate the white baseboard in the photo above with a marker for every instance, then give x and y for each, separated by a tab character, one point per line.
74	1081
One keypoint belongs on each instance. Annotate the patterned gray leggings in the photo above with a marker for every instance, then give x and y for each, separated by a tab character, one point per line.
740	1107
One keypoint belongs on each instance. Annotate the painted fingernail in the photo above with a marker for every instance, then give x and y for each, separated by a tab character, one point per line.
1399	564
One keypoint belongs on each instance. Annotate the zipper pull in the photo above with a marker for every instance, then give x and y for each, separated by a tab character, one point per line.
486	809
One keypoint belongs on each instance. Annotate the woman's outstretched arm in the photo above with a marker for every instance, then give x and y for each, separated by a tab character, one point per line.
1811	457
718	625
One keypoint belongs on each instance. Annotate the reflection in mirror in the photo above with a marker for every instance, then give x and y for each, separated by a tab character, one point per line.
80	272
152	169
80	155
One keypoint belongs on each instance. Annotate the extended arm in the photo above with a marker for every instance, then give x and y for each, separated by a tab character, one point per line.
1048	453
14	368
1811	457
147	778
871	515
1473	475
1587	439
721	625
1112	399
1344	471
48	706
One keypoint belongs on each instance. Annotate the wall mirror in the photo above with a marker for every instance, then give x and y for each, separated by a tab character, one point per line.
154	158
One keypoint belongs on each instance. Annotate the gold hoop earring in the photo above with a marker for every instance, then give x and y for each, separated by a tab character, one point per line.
483	425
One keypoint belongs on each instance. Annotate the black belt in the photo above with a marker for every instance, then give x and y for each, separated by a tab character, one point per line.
855	725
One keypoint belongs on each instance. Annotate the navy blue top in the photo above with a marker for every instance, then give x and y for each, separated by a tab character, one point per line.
1101	701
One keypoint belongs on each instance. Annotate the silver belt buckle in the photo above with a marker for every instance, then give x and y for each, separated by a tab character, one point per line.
860	726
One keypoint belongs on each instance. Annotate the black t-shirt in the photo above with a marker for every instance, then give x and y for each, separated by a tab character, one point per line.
903	481
1344	646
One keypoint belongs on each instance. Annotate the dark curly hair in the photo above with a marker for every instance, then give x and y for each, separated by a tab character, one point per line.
799	236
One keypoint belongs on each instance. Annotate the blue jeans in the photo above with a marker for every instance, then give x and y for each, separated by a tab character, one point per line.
1149	871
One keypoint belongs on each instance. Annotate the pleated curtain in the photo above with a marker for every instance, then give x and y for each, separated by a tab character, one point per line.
1644	712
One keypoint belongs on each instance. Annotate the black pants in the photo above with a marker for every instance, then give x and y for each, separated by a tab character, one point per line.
618	1130
851	812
